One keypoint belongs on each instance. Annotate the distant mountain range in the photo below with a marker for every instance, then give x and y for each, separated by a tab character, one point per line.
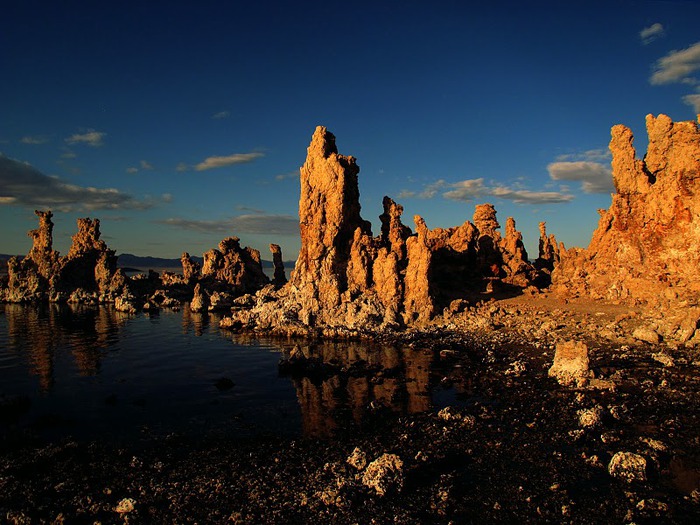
128	260
134	261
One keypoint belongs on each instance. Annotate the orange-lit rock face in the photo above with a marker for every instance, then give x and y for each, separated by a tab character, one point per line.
346	277
647	244
239	267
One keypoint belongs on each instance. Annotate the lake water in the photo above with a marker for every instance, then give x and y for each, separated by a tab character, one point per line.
95	373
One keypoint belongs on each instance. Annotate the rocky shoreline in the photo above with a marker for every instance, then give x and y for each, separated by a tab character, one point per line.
516	445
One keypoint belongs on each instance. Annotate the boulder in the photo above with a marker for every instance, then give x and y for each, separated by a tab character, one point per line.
570	363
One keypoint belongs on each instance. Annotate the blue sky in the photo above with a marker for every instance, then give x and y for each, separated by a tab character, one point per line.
180	123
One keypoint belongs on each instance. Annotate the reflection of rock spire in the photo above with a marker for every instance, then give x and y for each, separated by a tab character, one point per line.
197	320
344	398
42	332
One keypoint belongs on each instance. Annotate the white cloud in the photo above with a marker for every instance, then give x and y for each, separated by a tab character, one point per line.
290	175
406	194
241	207
470	189
591	155
429	191
530	197
39	139
221	115
241	224
229	160
594	177
68	154
181	167
91	138
167	197
694	101
677	66
144	165
22	184
651	33
466	190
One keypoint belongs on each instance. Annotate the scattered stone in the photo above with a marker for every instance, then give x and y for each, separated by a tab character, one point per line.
384	474
590	417
125	304
126	506
628	467
663	358
358	459
646	334
654	444
570	363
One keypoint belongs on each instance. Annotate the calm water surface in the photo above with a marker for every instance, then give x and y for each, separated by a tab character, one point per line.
92	372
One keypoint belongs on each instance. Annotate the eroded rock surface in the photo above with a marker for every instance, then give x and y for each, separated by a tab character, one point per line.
647	244
349	279
89	270
240	268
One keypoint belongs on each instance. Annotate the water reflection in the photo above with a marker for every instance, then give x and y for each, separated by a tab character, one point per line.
40	331
195	321
355	379
93	366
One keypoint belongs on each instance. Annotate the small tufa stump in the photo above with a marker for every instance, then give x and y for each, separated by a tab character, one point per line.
384	474
570	363
628	467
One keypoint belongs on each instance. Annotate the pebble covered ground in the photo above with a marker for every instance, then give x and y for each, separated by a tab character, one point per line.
516	445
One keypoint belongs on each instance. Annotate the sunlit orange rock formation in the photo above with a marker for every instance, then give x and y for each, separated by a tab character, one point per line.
647	244
347	278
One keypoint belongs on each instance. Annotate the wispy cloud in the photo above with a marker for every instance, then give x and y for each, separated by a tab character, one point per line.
181	167
23	185
428	192
241	224
470	189
229	160
90	137
593	176
591	155
143	165
677	66
221	115
651	33
68	154
37	139
241	207
290	175
693	101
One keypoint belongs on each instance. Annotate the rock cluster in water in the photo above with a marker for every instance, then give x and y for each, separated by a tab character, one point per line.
89	274
88	271
645	251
